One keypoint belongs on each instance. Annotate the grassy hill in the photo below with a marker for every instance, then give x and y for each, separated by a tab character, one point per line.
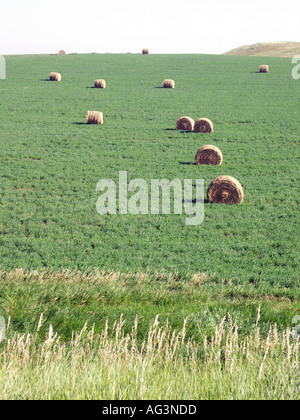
268	49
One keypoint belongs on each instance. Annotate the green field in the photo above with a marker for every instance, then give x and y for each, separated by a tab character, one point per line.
50	163
241	257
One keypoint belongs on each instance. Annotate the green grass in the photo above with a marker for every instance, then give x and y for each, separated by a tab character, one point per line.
241	258
166	365
50	165
69	299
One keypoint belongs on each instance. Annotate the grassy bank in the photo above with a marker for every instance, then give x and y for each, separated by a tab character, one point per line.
69	299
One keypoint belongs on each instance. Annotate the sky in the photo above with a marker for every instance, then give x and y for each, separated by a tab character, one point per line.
163	26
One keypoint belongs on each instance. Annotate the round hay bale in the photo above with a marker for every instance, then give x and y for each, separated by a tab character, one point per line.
204	125
169	83
55	77
185	123
61	52
100	83
209	155
94	117
145	51
264	68
226	190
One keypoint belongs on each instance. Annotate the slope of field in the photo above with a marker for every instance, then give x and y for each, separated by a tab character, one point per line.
268	49
50	163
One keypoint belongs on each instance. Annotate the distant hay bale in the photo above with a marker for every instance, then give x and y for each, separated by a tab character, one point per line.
55	77
264	68
94	117
169	83
204	125
209	155
185	123
145	51
225	189
61	52
100	83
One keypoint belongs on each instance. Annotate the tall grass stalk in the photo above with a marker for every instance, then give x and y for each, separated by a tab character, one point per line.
167	365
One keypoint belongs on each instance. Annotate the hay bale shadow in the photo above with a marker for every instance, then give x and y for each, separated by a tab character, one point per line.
180	131
196	200
186	163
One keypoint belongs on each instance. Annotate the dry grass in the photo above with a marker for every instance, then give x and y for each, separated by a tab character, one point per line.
169	83
268	49
264	68
167	365
100	83
55	77
209	155
94	117
225	189
185	123
203	125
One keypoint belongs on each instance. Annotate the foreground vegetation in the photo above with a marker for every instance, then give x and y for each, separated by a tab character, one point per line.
165	366
177	338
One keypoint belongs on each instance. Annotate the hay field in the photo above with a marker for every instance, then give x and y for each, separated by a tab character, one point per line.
240	258
51	163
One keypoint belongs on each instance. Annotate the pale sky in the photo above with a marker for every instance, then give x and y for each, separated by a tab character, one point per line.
163	26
